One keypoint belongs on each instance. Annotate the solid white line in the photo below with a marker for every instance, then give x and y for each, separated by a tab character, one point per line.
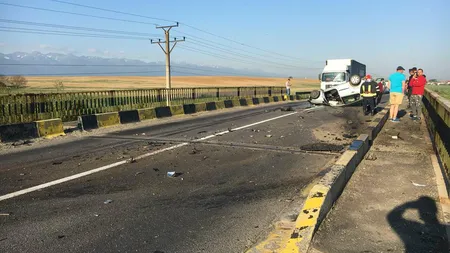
89	172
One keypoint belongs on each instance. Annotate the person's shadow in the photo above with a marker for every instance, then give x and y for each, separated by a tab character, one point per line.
420	237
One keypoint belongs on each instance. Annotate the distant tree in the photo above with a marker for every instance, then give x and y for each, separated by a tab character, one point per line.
433	80
59	85
18	82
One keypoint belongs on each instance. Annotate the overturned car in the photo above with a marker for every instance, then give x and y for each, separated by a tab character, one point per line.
340	83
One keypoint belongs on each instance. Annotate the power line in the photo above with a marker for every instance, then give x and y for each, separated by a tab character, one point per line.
114	11
187	25
77	14
75	27
237	59
118	65
192	37
242	55
53	32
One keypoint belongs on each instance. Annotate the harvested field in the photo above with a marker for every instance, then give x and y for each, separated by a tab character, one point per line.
91	83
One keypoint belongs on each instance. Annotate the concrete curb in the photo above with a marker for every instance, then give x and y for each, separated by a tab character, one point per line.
323	195
36	129
54	127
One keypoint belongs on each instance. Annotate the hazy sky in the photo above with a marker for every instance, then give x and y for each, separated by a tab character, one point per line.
302	34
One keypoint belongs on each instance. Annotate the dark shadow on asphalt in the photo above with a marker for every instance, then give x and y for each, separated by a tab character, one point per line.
401	113
426	236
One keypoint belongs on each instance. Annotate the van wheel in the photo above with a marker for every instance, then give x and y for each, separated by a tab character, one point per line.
314	94
355	80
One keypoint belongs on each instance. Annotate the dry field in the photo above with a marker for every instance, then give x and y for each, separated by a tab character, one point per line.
91	83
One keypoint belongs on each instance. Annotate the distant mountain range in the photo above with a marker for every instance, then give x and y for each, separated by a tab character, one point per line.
40	64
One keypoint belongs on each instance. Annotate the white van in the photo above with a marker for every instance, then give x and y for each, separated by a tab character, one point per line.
340	83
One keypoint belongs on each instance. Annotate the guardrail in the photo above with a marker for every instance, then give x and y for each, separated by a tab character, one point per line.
437	114
22	108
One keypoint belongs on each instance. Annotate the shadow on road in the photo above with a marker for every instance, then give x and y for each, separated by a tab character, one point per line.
427	235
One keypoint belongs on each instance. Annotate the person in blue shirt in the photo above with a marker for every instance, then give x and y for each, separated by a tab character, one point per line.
397	86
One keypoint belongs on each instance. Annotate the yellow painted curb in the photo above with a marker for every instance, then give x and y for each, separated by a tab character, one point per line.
220	105
176	109
147	113
50	128
200	107
107	119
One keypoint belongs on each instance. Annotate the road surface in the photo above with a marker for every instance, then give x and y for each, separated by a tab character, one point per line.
237	172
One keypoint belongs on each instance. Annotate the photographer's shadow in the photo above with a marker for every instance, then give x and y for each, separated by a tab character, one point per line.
419	237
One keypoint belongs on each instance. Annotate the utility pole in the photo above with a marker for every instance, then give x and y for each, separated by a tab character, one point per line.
167	50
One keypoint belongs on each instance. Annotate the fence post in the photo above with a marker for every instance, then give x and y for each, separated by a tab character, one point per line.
255	92
193	93
270	91
239	92
218	93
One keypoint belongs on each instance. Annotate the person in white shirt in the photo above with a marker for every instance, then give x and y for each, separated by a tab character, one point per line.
288	87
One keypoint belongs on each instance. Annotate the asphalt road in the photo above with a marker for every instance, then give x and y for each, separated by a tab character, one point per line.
229	188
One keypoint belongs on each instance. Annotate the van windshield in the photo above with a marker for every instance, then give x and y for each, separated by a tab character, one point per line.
333	77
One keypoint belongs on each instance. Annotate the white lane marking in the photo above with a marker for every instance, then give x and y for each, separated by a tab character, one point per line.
89	172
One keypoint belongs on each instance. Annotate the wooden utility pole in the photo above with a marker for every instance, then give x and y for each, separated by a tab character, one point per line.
167	50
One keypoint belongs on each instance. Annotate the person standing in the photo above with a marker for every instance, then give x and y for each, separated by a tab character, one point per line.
397	85
368	93
418	87
412	72
288	87
380	90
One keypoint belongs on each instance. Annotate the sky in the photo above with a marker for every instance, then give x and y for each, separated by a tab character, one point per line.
286	37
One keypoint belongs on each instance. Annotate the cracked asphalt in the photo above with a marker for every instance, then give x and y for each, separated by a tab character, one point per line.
228	191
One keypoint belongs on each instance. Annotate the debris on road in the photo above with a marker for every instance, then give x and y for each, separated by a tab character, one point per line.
418	185
349	136
371	157
201	132
96	214
174	174
256	130
138	173
287	109
108	201
57	163
143	134
61	236
251	136
4	214
268	136
395	137
349	122
25	142
156	169
230	130
131	160
321	146
194	151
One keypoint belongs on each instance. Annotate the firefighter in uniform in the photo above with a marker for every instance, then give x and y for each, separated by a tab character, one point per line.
369	94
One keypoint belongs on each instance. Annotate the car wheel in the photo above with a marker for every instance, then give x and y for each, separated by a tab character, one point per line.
355	80
314	94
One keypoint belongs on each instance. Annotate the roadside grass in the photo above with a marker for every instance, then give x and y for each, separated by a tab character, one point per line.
443	91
